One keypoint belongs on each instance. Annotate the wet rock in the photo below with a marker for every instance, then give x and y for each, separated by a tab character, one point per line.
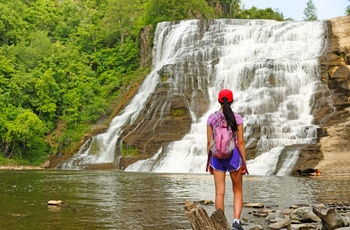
304	218
274	215
260	214
280	224
287	211
199	218
57	203
304	215
253	227
297	217
330	218
46	164
206	202
145	38
254	205
303	226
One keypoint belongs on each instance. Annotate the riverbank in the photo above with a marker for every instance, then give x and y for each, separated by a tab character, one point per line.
20	167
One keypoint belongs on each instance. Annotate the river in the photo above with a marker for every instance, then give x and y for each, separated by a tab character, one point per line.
134	200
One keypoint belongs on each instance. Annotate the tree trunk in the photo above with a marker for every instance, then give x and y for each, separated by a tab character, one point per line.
200	220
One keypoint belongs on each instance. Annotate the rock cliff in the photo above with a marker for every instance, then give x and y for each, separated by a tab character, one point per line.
334	116
332	105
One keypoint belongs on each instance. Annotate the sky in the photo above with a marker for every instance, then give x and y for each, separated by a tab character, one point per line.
326	9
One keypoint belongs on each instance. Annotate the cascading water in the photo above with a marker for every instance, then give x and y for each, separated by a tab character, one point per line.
100	149
272	68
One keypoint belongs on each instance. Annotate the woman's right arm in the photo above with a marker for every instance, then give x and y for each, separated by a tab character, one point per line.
240	140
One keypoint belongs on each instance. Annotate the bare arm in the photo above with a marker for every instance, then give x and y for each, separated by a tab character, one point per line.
240	140
209	136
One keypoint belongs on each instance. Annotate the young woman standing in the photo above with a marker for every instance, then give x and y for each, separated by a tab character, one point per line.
235	164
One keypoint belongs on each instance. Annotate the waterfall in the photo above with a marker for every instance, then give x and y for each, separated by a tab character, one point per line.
100	149
271	67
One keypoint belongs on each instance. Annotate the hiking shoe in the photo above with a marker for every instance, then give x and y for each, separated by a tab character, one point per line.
236	226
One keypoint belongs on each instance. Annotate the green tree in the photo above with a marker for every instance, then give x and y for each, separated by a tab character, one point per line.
255	13
33	49
20	127
46	90
310	11
68	20
347	11
170	10
235	7
231	7
120	20
41	15
12	28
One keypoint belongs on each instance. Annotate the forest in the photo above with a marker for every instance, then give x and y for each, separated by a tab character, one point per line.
65	65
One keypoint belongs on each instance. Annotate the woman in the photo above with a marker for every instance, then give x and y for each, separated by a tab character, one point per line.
235	164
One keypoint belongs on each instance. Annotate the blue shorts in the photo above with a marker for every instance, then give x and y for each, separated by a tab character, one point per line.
232	163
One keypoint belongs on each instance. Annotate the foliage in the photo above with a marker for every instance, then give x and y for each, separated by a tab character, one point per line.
255	13
63	64
6	161
347	10
235	9
129	150
310	11
178	112
170	10
231	7
61	61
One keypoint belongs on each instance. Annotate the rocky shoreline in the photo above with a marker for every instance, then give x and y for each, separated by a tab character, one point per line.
297	216
318	216
44	165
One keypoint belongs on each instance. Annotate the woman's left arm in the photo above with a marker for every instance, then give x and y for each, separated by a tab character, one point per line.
241	144
240	140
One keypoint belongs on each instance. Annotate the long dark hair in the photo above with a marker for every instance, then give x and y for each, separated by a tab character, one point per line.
230	117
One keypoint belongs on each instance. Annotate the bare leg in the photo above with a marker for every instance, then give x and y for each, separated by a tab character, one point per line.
237	188
219	179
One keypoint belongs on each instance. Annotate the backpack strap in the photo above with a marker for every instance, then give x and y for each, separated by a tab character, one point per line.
218	116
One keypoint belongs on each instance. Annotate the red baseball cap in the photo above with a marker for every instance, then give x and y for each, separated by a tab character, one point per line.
225	93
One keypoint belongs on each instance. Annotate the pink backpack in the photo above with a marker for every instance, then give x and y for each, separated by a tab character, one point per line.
223	138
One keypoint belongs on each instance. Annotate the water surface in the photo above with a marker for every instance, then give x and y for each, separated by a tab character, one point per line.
126	200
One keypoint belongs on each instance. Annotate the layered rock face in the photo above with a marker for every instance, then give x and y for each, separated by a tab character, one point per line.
333	113
332	105
167	117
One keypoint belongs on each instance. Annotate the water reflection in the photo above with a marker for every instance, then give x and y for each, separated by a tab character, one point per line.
122	200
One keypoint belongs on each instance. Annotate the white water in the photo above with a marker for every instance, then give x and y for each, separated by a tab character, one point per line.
101	149
272	68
